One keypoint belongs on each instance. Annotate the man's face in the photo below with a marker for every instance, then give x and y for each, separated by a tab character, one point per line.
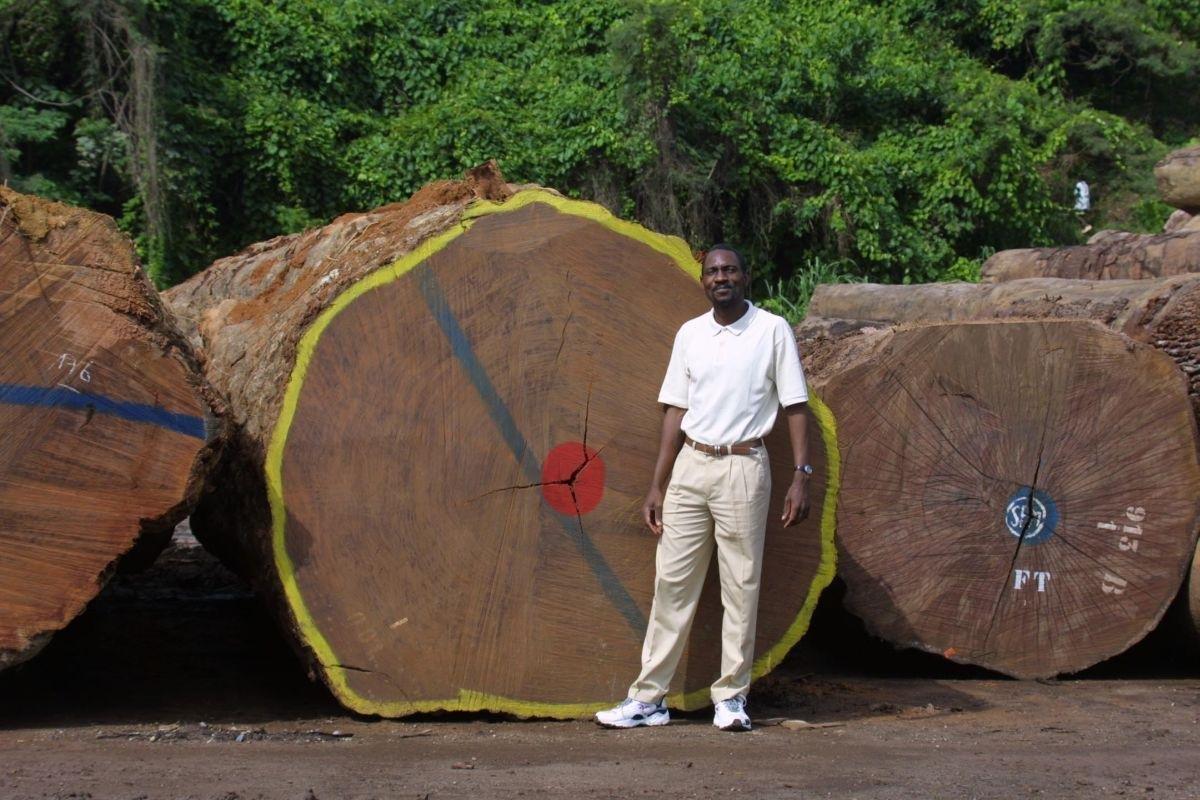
723	279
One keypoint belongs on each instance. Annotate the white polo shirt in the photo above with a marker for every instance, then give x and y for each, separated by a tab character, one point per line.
732	379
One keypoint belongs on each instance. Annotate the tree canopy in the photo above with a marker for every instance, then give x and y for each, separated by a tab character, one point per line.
901	140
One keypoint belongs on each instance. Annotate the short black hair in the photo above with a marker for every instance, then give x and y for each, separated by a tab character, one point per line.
729	249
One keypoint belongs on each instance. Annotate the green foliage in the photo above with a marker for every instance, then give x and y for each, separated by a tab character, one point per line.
21	127
22	124
789	297
901	140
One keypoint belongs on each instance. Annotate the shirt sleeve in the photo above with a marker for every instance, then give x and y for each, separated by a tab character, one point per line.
789	374
674	390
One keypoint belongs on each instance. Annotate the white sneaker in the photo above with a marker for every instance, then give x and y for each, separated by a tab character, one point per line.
632	713
730	715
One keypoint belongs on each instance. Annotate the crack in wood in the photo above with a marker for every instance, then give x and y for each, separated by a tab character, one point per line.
364	670
515	487
587	414
1037	469
891	373
91	412
37	279
568	481
562	338
1116	574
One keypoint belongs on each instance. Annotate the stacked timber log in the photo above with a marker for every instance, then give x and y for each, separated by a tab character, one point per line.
1178	178
1019	468
106	428
1181	220
1163	313
1112	255
1118	254
446	421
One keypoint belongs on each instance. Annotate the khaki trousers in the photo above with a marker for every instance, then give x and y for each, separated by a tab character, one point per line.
719	500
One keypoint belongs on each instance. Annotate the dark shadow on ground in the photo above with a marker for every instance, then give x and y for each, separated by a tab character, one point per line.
838	644
186	641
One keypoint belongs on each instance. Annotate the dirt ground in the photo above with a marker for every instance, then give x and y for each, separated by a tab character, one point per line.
174	684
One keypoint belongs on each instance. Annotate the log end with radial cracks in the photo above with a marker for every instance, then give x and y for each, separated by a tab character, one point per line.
1018	495
449	421
107	427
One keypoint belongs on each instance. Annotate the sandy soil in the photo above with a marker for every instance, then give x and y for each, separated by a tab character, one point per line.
175	685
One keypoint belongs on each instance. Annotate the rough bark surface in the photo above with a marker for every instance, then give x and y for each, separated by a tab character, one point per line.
1178	177
1020	495
1163	313
106	428
447	421
1116	255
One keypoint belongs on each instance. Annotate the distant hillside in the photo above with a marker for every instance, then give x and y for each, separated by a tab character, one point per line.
903	140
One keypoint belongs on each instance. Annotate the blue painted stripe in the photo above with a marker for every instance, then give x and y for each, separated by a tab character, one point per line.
60	397
435	298
461	347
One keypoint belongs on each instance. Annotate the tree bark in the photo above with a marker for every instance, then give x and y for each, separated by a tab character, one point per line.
1119	256
1163	313
447	422
107	426
1020	495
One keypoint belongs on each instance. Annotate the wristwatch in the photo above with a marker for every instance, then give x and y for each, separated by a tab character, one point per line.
805	468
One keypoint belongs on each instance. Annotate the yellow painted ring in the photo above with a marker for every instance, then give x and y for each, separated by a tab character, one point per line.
469	699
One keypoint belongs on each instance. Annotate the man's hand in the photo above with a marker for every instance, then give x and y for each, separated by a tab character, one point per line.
795	504
652	510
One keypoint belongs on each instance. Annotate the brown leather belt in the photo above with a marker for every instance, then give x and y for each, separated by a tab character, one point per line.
740	449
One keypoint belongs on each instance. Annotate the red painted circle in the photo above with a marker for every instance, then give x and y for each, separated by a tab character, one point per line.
583	493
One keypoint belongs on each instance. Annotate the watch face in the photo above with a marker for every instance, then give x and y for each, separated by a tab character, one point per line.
806	469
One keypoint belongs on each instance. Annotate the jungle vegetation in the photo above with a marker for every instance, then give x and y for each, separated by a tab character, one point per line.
891	140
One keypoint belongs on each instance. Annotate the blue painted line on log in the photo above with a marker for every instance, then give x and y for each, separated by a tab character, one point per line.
435	299
61	397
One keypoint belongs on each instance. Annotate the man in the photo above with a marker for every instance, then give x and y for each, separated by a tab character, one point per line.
1083	204
730	371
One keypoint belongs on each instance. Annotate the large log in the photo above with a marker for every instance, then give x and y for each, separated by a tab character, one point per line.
1181	220
1020	495
1163	313
1178	177
105	426
447	422
1125	255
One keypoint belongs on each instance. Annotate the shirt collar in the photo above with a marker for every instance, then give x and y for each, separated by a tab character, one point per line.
736	328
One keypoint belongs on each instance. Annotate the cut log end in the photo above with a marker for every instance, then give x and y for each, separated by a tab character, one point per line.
458	460
1020	495
106	430
478	544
